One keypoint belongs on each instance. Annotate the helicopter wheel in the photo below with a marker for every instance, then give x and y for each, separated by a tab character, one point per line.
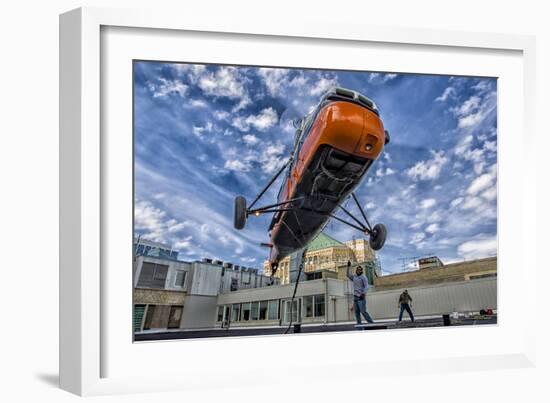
378	236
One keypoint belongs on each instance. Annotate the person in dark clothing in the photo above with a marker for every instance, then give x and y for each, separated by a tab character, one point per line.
360	285
404	305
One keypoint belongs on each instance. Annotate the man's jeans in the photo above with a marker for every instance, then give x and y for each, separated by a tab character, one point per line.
360	306
405	307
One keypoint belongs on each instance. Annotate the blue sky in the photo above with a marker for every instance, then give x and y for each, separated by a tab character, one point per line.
204	134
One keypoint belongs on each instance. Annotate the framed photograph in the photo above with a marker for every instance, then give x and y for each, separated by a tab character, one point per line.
249	193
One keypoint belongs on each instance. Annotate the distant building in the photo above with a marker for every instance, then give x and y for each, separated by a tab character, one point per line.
144	247
437	273
326	253
429	262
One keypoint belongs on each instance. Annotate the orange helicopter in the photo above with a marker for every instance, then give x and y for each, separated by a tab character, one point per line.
335	145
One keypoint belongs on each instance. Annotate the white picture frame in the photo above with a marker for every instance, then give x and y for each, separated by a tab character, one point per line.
86	311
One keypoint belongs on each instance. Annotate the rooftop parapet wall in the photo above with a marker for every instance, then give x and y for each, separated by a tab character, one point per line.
434	275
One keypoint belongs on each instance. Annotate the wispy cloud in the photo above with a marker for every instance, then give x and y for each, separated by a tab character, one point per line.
428	169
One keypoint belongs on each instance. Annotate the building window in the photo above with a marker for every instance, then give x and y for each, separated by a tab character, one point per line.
139	311
254	311
180	278
153	275
319	305
314	276
273	309
245	311
263	310
235	312
314	306
308	306
220	313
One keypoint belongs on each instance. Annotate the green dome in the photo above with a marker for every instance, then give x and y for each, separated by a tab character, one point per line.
323	241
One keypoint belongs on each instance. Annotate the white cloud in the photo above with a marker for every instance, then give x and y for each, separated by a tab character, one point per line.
490	194
478	156
434	216
470	120
456	201
388	77
427	203
175	226
184	243
372	76
250	139
200	130
490	146
148	217
432	228
485	246
198	103
153	223
225	82
471	203
480	183
221	115
418	240
192	71
370	205
468	106
271	159
237	165
167	87
278	81
381	172
475	109
429	169
266	119
408	190
248	259
449	91
464	145
323	85
273	79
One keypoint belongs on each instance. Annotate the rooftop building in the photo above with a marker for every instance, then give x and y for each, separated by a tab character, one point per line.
170	293
327	253
145	247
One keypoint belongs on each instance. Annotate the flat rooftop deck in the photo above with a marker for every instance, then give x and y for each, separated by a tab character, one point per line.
259	331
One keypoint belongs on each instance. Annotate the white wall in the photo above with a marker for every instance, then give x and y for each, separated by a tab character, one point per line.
199	311
29	163
464	296
206	279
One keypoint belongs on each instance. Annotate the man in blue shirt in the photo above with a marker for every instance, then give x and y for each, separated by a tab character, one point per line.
360	285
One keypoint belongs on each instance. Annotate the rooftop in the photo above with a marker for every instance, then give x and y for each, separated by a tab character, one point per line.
323	241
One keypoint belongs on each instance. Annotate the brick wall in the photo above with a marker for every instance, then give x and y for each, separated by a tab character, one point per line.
158	297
